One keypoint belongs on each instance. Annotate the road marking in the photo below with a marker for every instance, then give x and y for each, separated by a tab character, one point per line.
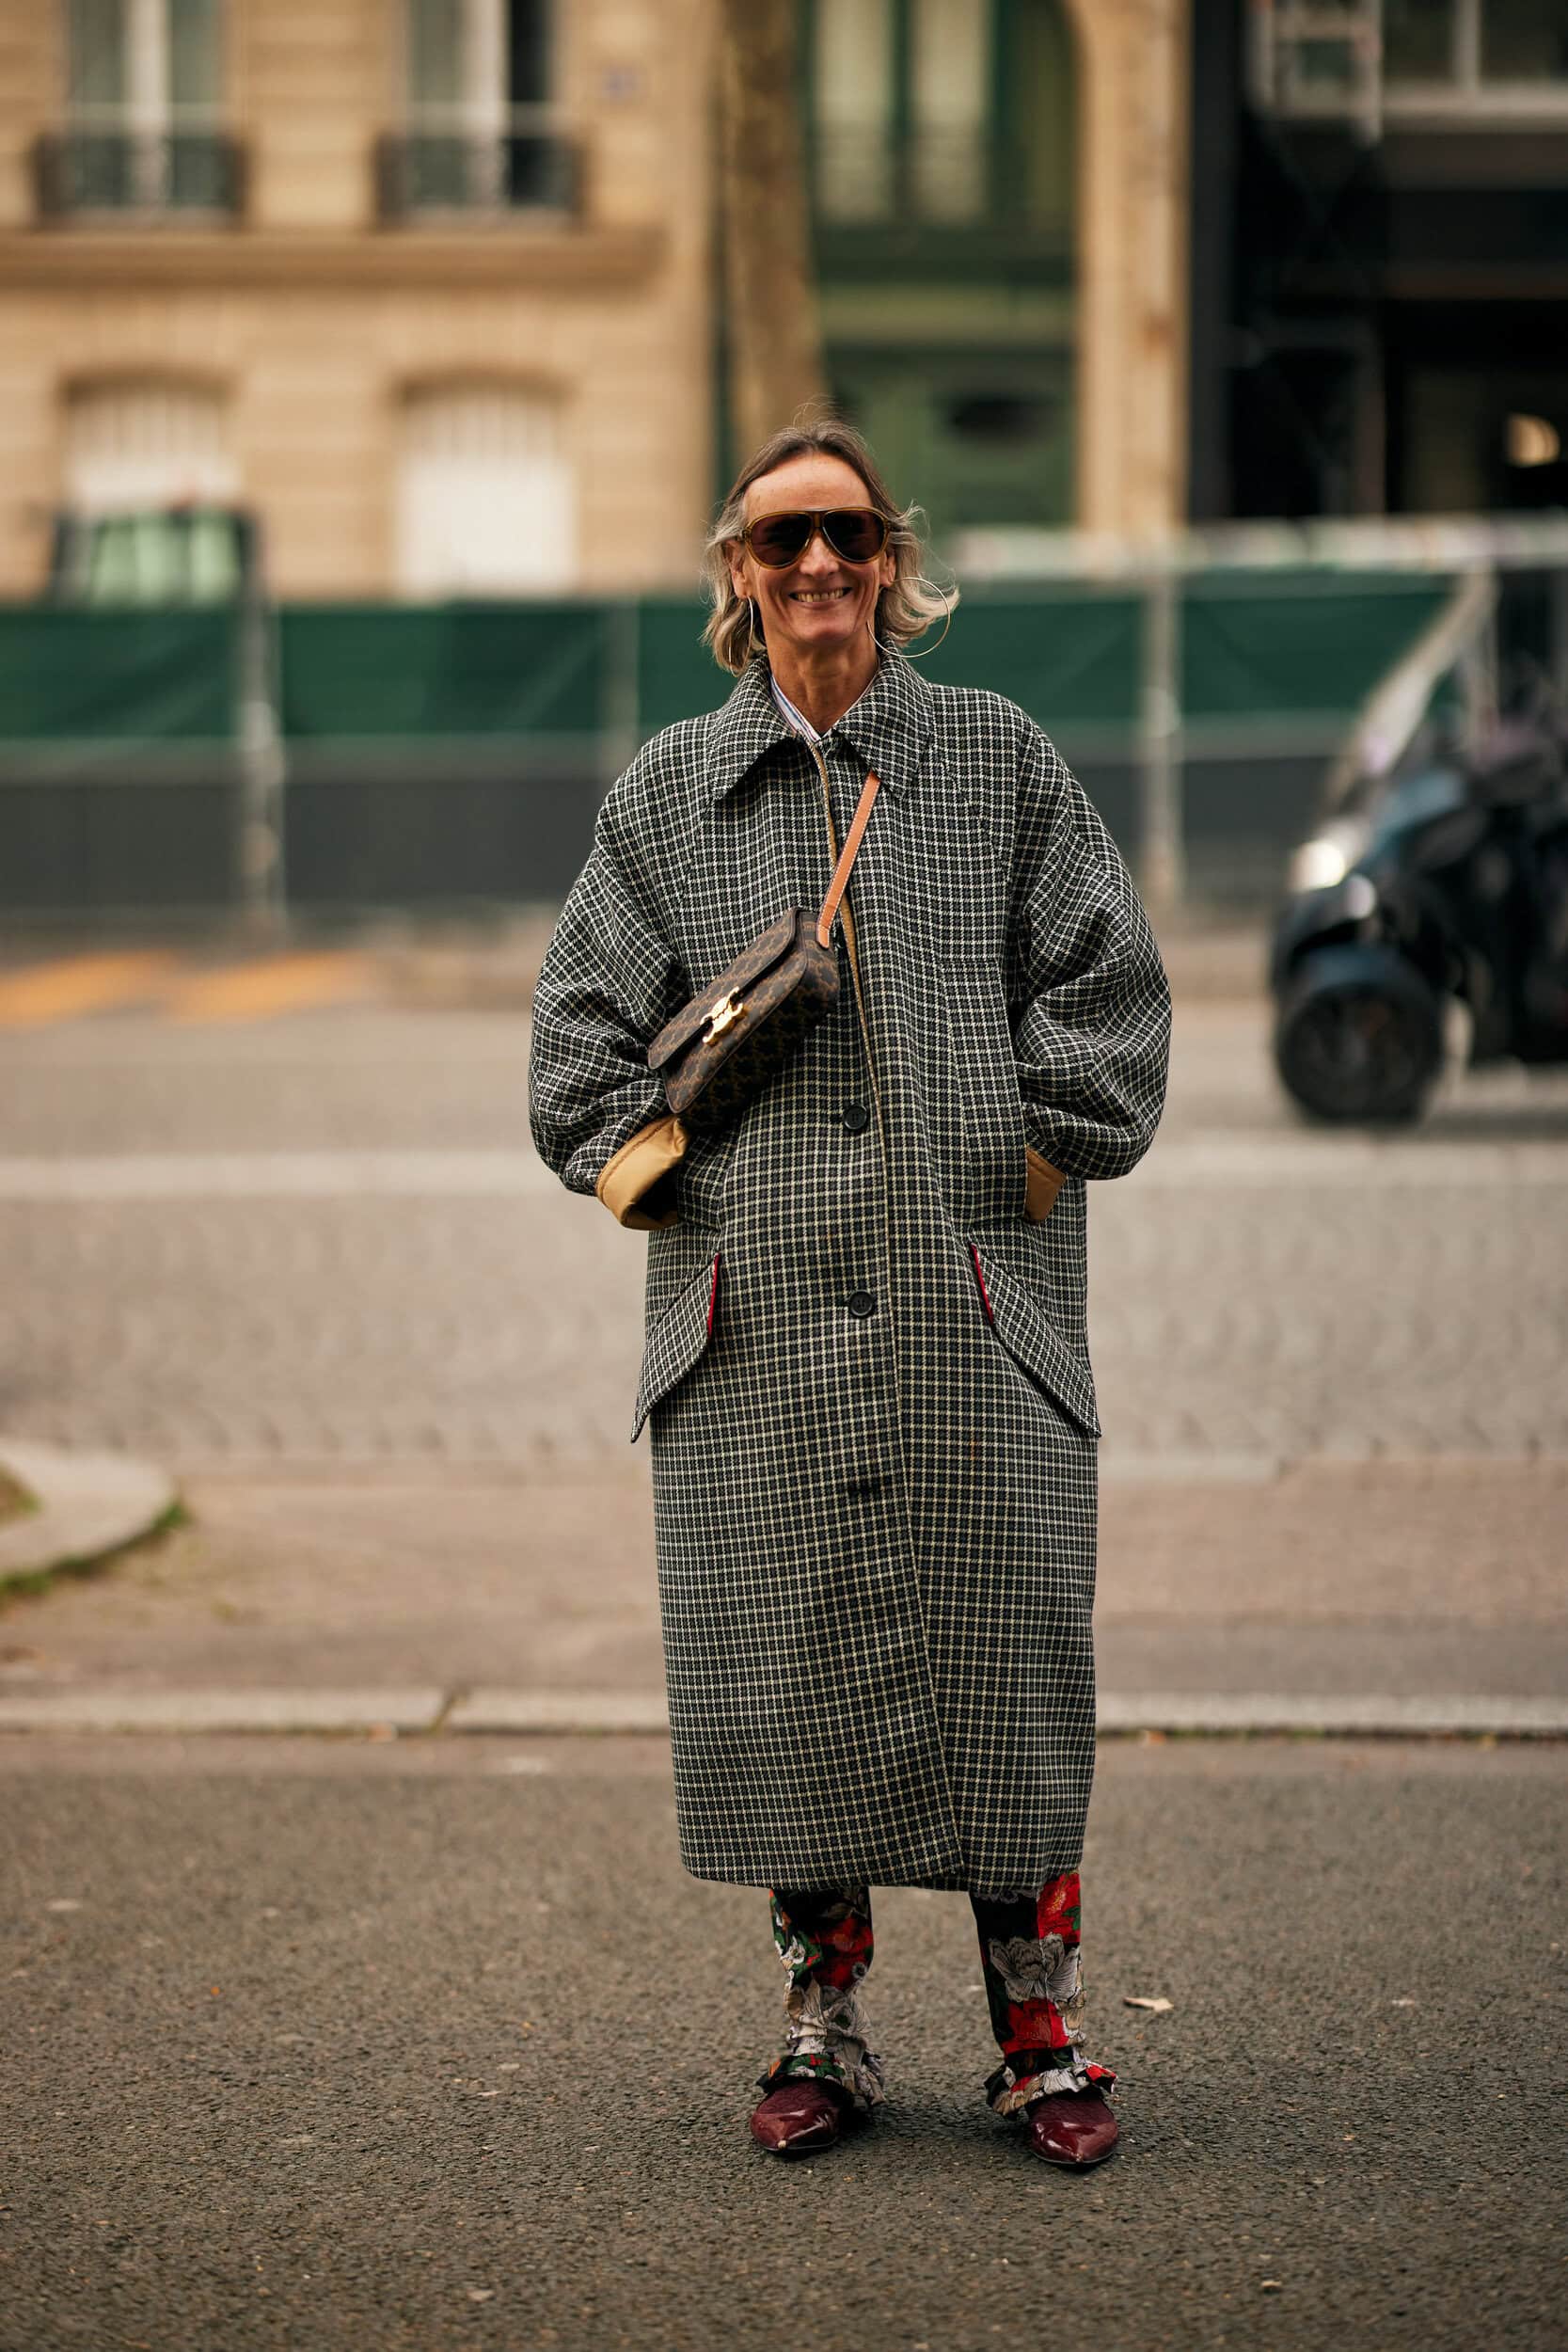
1421	1160
276	1176
69	986
263	987
430	1710
508	1174
337	1710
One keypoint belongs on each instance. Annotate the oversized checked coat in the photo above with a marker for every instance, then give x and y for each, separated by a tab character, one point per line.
865	1375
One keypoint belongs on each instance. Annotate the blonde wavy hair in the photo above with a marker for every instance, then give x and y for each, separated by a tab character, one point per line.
905	611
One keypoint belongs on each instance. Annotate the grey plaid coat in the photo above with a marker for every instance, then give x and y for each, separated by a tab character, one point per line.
865	1374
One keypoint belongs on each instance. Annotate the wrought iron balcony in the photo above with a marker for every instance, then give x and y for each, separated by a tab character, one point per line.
443	163
950	201
120	173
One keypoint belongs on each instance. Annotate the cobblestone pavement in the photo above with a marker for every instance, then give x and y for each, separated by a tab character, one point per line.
327	1238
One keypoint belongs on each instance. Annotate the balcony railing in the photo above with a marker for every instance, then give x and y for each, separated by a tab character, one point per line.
444	161
942	193
117	171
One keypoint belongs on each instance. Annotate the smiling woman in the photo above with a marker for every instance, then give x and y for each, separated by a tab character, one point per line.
878	599
864	1373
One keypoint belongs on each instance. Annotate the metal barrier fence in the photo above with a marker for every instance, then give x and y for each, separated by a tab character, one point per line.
343	758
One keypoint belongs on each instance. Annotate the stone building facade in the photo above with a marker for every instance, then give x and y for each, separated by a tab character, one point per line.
430	286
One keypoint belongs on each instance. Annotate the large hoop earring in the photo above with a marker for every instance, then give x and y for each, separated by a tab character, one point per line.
946	625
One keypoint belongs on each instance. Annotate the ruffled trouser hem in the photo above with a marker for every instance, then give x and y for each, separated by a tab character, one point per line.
1012	2087
856	2078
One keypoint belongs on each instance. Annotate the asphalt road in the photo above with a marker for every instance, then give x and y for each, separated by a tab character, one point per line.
431	2045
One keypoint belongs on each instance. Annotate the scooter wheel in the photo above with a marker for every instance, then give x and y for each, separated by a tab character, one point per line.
1359	1038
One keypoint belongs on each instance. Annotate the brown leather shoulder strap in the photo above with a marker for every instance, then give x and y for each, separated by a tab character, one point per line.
847	858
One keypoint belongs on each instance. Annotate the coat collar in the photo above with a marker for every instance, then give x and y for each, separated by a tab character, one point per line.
889	727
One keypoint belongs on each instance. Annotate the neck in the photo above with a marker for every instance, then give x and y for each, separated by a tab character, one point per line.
823	686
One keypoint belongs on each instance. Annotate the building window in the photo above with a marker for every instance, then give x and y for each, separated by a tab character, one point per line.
482	133
951	106
853	108
945	114
150	490
1524	40
144	115
485	497
1448	58
134	446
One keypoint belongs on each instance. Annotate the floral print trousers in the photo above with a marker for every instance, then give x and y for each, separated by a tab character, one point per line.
1034	1989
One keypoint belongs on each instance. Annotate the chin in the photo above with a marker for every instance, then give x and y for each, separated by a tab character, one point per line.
830	629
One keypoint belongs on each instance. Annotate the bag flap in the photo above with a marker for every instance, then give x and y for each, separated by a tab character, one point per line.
765	951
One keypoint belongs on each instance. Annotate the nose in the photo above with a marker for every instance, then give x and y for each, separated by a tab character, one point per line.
818	556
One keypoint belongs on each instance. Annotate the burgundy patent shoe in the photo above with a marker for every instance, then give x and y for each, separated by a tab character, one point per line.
1072	2127
796	2119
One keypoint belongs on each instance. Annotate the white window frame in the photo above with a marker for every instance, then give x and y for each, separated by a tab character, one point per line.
165	469
1463	93
481	115
430	410
147	115
1281	29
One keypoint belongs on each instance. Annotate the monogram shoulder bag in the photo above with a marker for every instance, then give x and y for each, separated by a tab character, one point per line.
738	1032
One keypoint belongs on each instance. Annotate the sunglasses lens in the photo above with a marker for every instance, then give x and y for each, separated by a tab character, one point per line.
778	539
855	533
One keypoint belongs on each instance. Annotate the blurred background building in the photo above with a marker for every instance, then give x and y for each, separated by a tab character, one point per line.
429	284
425	286
373	365
1380	258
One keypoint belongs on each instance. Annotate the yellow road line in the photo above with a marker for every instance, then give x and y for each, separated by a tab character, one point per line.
69	986
257	990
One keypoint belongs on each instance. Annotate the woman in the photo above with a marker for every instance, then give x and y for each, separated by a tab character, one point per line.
865	1378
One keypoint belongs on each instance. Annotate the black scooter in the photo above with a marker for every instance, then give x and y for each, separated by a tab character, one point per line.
1446	879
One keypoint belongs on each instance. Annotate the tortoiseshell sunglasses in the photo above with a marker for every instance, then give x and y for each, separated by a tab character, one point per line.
855	535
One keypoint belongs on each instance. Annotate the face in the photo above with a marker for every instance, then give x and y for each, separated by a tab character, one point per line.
820	603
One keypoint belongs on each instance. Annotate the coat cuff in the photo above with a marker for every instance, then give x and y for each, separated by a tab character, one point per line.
631	1172
1041	1186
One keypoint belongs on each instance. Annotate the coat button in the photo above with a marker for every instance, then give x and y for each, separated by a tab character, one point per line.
862	1303
855	1115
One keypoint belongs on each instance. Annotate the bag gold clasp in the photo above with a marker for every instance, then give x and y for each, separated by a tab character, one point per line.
729	1008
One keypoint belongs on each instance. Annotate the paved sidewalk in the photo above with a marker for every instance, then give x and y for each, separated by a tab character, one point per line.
1409	1582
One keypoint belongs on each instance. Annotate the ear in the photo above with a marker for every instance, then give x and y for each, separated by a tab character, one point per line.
736	557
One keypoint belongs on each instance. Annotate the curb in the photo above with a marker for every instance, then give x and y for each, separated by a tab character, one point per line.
426	1710
88	1507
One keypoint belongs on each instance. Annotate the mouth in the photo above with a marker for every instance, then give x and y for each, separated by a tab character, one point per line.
818	595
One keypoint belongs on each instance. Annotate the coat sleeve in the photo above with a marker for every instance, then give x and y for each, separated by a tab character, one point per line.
1091	1020
609	982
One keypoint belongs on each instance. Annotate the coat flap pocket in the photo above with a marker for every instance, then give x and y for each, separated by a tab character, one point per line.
1032	1341
760	957
677	1340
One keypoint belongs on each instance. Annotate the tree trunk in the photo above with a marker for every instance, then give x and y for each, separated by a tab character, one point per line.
775	344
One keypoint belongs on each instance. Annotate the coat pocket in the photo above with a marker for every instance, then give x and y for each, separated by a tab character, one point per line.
676	1340
1034	1343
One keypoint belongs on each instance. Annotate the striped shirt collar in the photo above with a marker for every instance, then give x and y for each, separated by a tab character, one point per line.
889	727
797	719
